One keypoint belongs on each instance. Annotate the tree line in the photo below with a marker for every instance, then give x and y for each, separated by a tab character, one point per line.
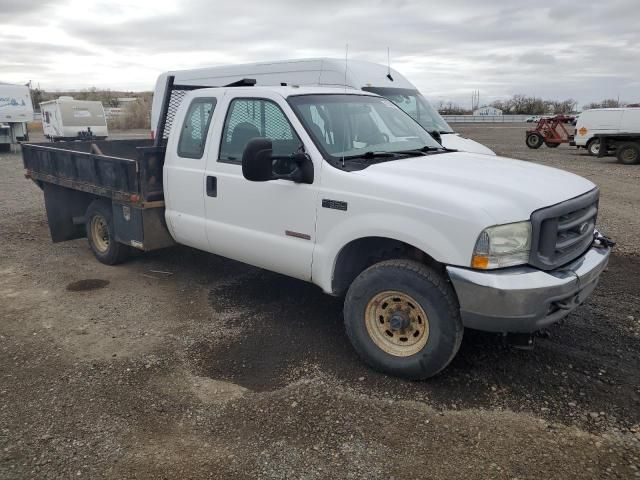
109	98
527	105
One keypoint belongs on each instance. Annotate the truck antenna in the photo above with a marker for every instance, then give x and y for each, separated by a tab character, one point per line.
389	66
344	134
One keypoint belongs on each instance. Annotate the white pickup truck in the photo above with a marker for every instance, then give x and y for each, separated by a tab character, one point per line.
345	190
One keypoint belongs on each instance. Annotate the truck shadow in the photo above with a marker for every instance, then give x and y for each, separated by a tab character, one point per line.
291	330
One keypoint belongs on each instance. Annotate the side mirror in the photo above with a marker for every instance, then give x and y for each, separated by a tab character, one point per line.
258	164
256	160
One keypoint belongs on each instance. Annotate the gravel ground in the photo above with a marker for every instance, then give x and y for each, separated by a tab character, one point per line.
221	370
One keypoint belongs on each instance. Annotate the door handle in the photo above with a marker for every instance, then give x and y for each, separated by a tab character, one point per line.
212	186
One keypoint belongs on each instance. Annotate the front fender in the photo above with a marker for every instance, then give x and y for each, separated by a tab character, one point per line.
450	246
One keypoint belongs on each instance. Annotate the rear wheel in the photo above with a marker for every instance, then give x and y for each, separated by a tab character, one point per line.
628	153
593	147
534	140
101	234
403	319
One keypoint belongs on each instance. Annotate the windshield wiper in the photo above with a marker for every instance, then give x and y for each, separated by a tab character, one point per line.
368	155
420	151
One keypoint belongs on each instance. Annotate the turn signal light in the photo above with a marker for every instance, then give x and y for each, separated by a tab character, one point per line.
480	261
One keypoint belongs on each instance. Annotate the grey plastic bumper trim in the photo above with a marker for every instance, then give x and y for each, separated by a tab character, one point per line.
525	299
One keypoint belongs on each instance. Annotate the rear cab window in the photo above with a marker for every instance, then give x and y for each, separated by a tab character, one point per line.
193	134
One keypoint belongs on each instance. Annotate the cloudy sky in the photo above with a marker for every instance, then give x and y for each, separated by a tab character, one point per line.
587	50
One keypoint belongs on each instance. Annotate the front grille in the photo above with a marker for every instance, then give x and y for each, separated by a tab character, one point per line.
563	232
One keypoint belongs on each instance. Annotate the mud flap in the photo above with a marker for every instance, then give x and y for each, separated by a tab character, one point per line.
63	205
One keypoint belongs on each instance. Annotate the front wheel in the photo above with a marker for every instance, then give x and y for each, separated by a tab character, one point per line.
403	319
593	147
101	234
534	140
551	145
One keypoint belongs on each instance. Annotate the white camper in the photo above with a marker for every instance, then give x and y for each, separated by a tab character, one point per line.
604	121
16	110
69	119
360	75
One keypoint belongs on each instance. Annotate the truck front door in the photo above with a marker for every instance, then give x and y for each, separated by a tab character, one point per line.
267	224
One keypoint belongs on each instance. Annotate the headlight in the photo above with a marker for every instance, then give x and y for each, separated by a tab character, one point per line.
502	246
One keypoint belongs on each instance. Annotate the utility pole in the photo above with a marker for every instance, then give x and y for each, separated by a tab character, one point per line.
475	99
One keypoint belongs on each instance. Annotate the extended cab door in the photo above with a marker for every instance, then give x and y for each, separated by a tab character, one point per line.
185	161
268	224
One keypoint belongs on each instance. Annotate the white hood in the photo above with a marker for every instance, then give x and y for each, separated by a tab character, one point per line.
463	144
503	189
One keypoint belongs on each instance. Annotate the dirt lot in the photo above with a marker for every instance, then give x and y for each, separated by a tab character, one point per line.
221	370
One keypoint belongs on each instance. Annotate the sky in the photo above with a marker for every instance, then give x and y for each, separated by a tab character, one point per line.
586	50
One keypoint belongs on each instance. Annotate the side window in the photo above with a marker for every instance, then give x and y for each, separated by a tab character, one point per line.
249	118
193	134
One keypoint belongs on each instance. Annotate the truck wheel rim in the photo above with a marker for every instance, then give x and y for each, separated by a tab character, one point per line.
595	147
396	323
100	233
629	155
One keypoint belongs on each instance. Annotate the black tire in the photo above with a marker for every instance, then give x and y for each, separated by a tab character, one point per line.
552	145
431	292
104	245
593	147
628	153
534	140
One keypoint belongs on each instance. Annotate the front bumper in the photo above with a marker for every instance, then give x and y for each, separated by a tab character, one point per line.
525	299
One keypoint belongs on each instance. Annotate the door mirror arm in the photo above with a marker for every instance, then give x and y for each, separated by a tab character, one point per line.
302	173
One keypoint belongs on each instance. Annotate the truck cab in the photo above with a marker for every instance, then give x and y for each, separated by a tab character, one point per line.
347	191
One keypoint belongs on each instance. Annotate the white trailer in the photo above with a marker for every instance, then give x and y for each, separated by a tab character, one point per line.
69	119
16	110
329	72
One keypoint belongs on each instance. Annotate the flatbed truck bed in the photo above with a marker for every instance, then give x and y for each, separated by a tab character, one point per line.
126	174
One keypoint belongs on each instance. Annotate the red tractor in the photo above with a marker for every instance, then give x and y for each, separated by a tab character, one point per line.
552	131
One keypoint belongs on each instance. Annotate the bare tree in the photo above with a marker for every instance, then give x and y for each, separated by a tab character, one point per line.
607	103
450	108
525	105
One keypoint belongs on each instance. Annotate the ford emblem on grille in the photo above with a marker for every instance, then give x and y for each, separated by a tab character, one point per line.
584	227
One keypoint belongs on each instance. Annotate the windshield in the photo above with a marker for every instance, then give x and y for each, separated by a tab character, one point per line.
359	125
412	102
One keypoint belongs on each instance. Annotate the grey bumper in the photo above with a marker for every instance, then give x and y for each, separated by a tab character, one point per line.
525	299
